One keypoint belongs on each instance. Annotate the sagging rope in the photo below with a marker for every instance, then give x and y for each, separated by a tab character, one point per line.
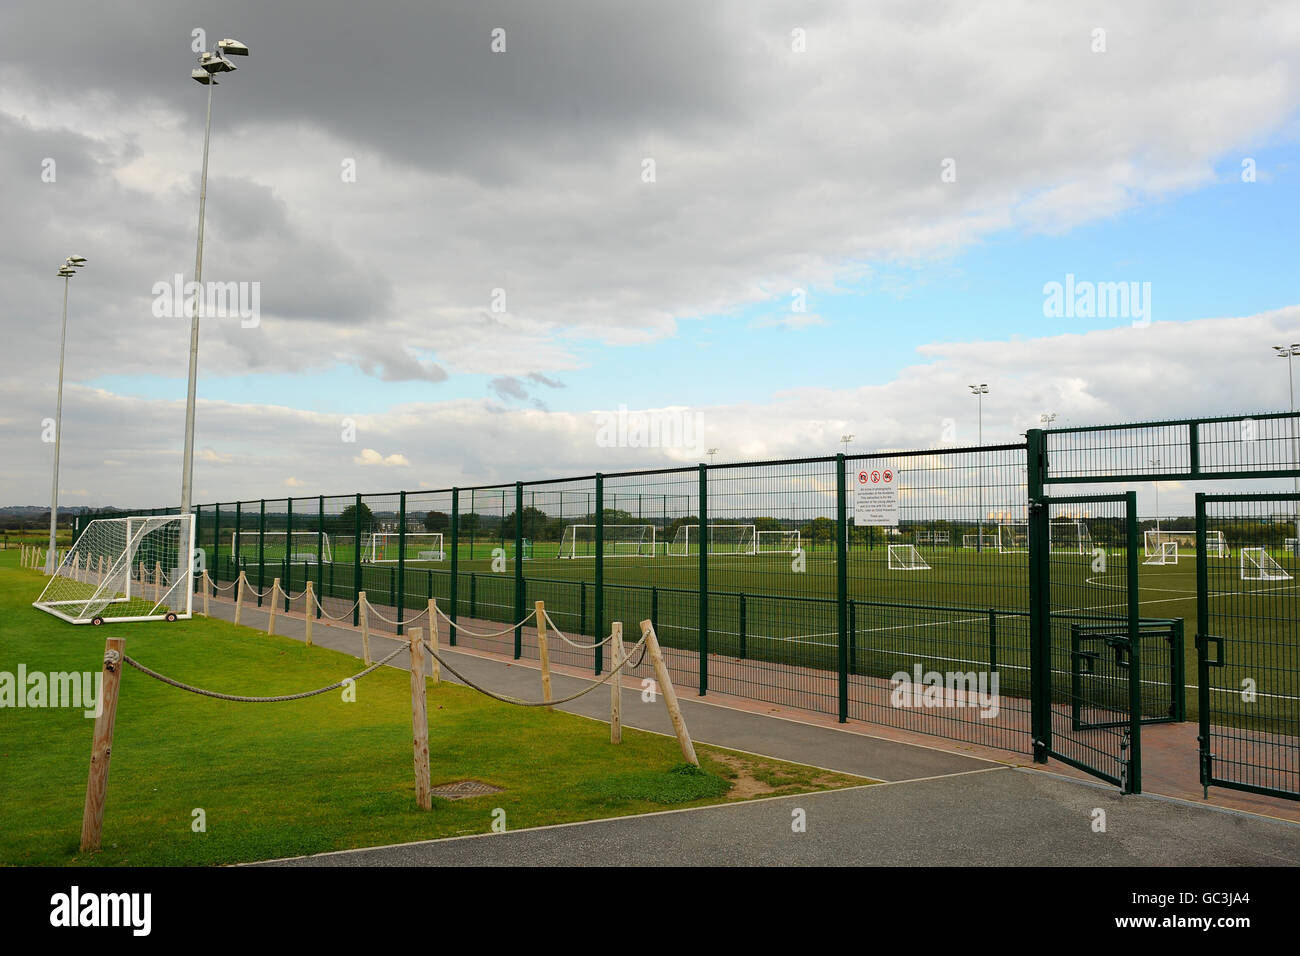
333	617
464	630
409	620
258	700
506	699
563	637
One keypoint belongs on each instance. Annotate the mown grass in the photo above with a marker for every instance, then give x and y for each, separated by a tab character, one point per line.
306	776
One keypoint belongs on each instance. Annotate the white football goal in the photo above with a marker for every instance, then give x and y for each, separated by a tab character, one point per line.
139	568
1215	545
1013	538
275	547
777	542
723	539
1258	565
620	541
905	557
391	546
974	542
1167	554
1070	537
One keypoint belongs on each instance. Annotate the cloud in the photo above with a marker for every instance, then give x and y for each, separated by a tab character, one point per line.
790	320
369	456
294	482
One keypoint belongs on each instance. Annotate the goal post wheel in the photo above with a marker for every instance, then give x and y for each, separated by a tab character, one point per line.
96	621
171	616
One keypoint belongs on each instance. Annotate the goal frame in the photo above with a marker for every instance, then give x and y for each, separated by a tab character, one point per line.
115	587
571	533
403	540
309	555
758	542
918	563
1002	543
1168	554
684	531
1266	573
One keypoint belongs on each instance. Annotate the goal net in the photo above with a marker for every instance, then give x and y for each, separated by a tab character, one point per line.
125	569
1070	537
905	557
621	541
1154	540
777	542
723	539
1215	546
385	546
277	547
975	541
1013	538
1258	565
1167	554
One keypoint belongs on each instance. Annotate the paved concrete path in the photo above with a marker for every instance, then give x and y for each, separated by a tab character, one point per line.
937	808
999	817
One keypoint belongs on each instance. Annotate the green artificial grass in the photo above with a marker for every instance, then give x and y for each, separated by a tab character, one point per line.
308	776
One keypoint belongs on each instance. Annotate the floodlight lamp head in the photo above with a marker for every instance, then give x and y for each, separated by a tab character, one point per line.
216	64
77	260
202	76
232	47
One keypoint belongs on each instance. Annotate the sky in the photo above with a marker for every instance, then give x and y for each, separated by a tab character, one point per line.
468	234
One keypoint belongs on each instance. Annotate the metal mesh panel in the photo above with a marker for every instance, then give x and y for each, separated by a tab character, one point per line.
1249	674
961	617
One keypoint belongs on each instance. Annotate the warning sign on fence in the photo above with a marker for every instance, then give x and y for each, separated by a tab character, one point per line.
875	497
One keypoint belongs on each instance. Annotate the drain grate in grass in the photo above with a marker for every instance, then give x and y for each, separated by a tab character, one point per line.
464	788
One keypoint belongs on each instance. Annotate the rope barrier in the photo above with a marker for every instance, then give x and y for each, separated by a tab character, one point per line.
563	637
506	699
332	617
464	630
258	700
409	620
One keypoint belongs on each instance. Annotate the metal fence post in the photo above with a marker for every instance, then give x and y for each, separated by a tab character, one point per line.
842	584
598	631
704	578
216	546
356	560
235	545
519	569
455	565
320	554
261	551
401	560
1040	633
1135	651
287	573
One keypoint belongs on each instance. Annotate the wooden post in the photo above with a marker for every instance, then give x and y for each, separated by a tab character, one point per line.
99	578
101	749
543	652
433	641
420	722
362	606
309	612
207	590
670	695
157	581
239	596
270	621
616	687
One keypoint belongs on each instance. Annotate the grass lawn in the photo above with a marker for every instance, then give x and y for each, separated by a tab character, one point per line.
306	776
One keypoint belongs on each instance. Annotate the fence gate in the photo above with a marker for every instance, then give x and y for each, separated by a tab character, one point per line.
1247	651
1090	687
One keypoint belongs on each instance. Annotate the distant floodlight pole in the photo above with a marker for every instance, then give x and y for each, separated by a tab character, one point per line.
210	64
66	272
846	439
979	391
1288	352
711	452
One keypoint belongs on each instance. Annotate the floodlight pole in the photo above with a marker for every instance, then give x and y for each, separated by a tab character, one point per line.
50	562
187	465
